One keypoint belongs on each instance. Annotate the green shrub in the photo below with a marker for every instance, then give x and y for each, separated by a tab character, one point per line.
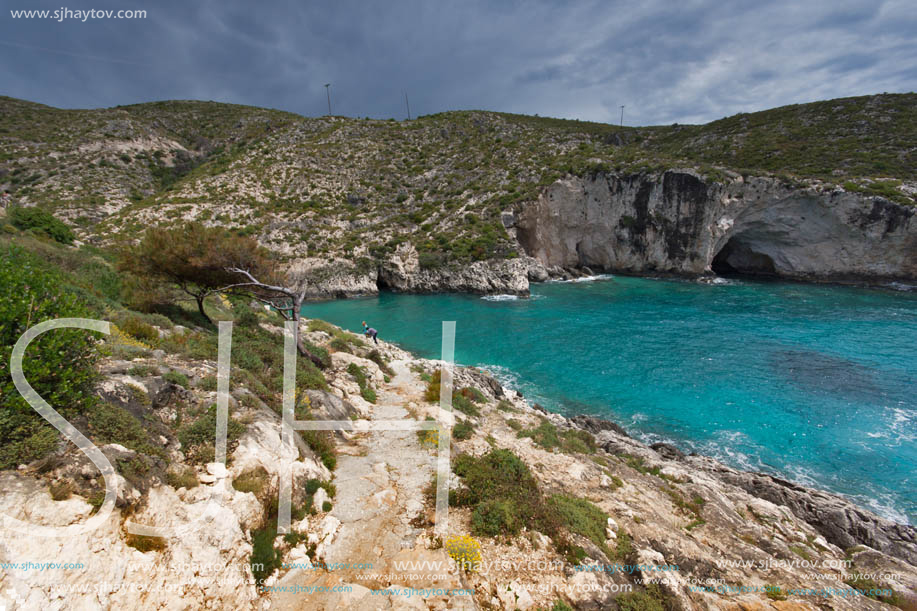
473	394
113	424
774	592
145	543
58	364
544	435
247	317
135	469
505	406
208	383
495	517
320	325
253	480
464	405
322	443
341	345
320	352
378	359
431	393
184	478
197	439
571	441
143	370
60	491
460	399
100	279
873	589
312	486
503	493
462	430
265	559
431	260
327	506
135	327
583	518
42	221
359	375
578	441
653	598
176	377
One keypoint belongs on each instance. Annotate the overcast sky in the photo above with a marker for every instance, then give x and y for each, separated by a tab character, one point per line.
685	61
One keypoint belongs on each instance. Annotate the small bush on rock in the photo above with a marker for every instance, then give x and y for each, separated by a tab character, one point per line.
465	551
462	430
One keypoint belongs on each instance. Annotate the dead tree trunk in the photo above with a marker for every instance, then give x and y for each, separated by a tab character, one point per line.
284	300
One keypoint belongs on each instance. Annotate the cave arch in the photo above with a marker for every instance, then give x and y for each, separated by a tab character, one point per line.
740	256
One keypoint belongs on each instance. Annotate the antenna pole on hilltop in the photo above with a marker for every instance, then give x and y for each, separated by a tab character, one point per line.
408	104
622	115
328	91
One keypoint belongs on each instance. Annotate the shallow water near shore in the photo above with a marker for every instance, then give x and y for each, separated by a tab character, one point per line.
812	382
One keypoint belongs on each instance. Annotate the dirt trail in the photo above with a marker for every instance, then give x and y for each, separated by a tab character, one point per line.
380	479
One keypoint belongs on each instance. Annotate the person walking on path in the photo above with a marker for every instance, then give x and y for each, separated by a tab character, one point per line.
370	332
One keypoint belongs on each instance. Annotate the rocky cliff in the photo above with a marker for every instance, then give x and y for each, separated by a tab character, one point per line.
673	222
679	223
402	272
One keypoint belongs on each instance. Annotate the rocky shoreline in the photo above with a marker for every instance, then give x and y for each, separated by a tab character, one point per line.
733	534
837	519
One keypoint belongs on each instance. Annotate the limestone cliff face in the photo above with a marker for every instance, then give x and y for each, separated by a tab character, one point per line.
402	272
676	222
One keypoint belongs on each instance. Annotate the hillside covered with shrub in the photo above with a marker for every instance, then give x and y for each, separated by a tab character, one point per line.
358	188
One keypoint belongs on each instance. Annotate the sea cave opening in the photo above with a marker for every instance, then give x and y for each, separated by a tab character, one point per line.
739	257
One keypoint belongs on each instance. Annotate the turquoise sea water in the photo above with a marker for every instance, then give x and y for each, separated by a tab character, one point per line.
817	383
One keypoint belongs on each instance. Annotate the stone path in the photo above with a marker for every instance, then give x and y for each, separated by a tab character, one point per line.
380	478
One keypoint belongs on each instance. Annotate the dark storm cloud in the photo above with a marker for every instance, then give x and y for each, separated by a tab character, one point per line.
683	62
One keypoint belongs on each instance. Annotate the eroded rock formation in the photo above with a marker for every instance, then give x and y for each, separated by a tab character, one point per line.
676	222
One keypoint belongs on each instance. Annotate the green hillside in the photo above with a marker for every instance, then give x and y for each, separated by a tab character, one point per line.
356	188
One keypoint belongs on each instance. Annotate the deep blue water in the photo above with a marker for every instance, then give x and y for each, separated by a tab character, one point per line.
817	383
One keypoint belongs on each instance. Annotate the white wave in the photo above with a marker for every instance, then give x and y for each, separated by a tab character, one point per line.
883	506
731	456
594	278
504	375
500	297
903	425
902	286
803	475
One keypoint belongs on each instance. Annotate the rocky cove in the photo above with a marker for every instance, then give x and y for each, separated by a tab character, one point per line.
675	222
733	535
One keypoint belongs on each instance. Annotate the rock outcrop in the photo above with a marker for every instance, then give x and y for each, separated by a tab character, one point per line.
403	273
838	520
676	222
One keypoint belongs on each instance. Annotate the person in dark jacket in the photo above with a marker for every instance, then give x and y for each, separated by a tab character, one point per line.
370	332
